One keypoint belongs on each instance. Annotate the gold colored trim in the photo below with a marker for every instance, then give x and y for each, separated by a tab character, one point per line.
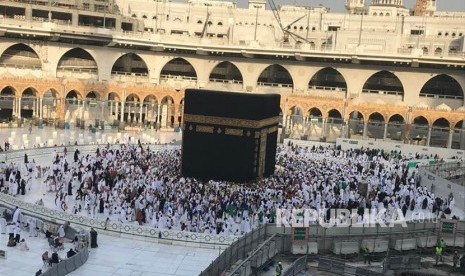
204	129
234	131
272	129
232	122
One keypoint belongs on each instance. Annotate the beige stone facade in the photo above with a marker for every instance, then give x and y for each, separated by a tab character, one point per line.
387	81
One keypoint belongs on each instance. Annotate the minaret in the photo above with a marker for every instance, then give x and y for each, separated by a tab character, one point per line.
353	5
430	7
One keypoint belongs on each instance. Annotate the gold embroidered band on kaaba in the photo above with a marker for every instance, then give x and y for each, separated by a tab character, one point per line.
231	122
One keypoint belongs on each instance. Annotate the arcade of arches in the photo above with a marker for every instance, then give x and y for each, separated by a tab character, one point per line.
305	117
322	105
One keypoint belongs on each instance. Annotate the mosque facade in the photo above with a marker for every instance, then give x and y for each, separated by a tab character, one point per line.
375	72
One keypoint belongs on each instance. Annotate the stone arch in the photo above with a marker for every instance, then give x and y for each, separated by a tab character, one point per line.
50	93
328	77
315	112
8	90
395	129
420	120
150	98
356	114
375	126
74	94
335	114
441	122
275	74
459	124
27	103
113	96
29	92
383	81
132	98
440	133
131	108
94	95
21	55
376	116
149	108
355	124
458	142
7	96
77	59
167	116
226	71
130	64
419	130
396	118
178	67
442	86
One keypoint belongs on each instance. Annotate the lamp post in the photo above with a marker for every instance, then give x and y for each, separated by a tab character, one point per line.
256	22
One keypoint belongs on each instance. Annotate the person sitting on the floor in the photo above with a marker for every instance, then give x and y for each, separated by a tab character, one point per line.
70	253
55	258
11	242
23	245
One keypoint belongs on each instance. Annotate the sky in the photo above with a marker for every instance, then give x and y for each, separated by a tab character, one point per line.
338	5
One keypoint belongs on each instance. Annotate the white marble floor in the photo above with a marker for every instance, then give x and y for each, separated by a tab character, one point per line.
114	256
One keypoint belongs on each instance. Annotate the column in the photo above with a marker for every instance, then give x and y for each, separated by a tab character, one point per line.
19	108
153	112
159	114
407	133
111	109
168	113
323	128
428	139
14	107
365	129
116	111
140	113
41	109
83	109
385	131
451	136
147	112
34	102
121	119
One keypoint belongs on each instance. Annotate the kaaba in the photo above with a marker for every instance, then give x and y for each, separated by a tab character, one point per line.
228	135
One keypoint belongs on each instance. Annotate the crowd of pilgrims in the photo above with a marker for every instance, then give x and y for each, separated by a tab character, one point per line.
134	184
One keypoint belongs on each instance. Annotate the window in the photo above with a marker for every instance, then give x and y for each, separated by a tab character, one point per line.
199	22
144	16
220	23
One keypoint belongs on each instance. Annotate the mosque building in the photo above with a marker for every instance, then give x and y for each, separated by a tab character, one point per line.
376	72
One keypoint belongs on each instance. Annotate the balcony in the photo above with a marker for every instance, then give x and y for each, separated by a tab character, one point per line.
129	76
225	85
178	82
269	87
387	96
